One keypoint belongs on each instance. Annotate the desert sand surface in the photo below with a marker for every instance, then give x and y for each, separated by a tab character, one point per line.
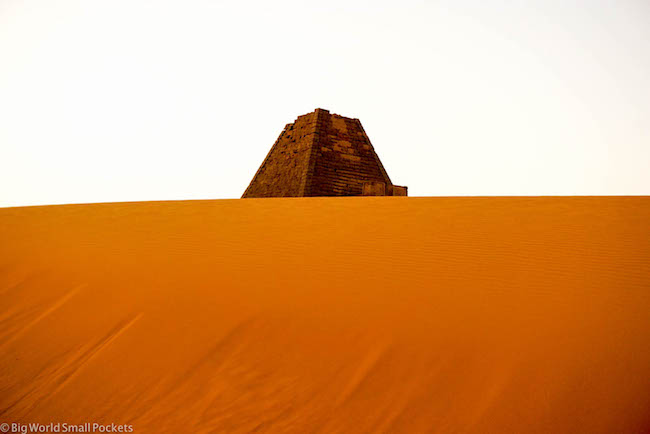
329	315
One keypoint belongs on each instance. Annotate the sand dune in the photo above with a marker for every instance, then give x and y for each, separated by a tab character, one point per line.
310	315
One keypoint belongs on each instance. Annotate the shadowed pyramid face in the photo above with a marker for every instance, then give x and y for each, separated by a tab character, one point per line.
322	154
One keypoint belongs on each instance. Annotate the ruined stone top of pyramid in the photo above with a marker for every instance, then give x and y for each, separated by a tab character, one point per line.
322	154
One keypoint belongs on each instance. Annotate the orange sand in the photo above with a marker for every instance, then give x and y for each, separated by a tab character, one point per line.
350	315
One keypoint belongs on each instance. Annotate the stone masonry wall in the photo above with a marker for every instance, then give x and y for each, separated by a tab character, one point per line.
282	174
343	158
320	154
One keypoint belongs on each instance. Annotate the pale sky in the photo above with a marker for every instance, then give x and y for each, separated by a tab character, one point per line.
163	100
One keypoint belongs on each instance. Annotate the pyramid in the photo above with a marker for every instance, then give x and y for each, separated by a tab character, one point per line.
322	154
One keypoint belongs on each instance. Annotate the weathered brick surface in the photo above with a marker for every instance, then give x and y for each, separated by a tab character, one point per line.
374	188
320	154
398	190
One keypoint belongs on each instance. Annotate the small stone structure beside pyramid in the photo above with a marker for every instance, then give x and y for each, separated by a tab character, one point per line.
322	154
